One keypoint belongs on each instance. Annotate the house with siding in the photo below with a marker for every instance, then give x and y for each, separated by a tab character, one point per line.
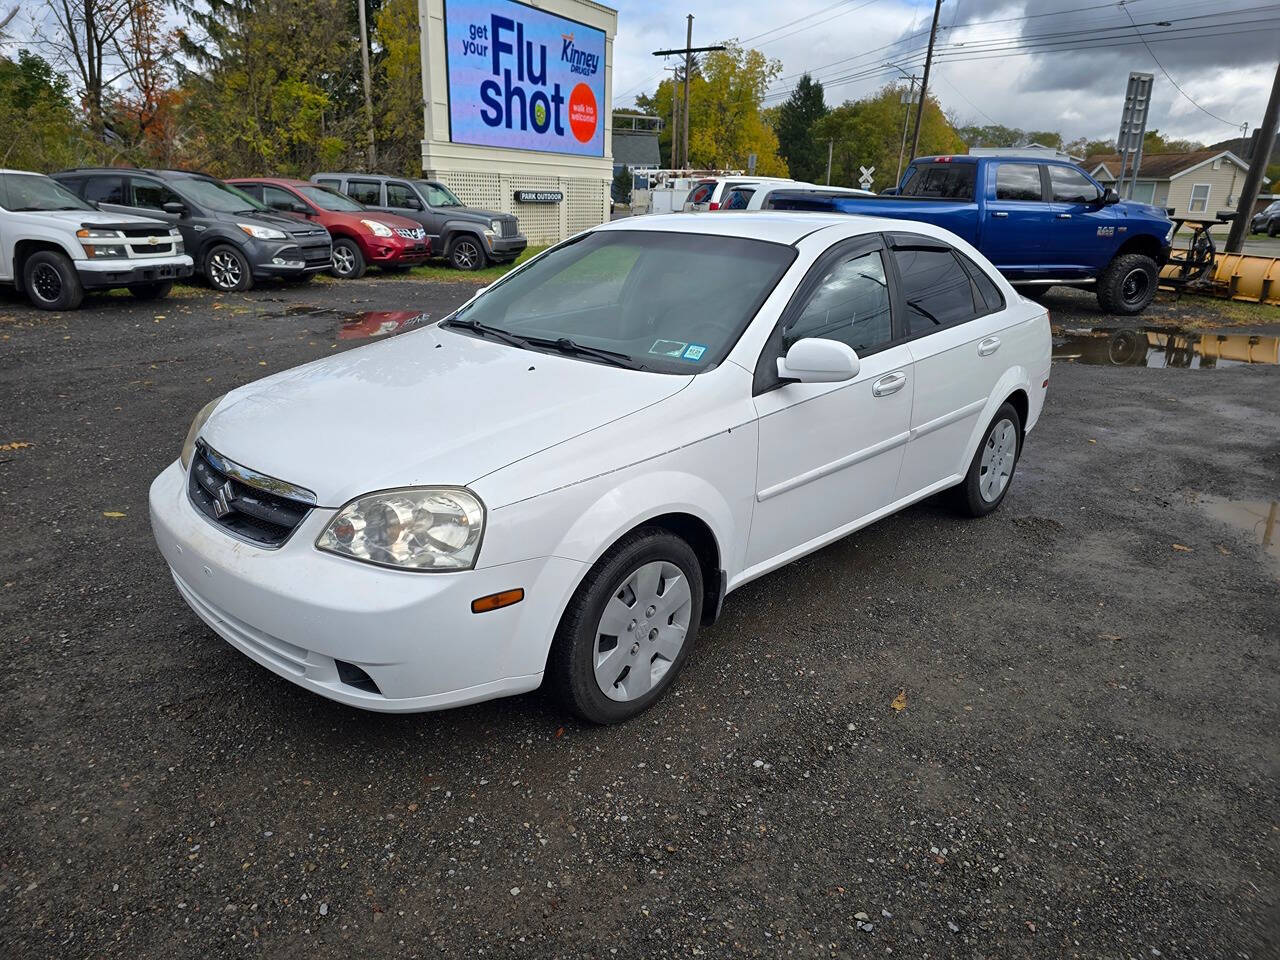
1196	184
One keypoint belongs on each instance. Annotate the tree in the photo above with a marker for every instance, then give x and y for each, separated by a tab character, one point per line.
1084	147
398	92
998	135
868	133
805	156
1154	142
81	36
620	189
35	99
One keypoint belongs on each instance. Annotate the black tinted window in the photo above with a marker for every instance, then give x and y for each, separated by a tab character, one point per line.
940	181
151	194
400	195
1071	186
737	198
252	189
104	190
331	184
936	289
702	192
365	191
850	304
1018	181
278	199
988	292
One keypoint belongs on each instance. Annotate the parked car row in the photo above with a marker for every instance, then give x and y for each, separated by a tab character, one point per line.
142	229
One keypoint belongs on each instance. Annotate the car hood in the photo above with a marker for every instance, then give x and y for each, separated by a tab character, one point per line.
427	407
76	218
280	221
473	213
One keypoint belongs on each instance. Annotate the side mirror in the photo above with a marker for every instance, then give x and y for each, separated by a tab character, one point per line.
1109	196
814	360
175	208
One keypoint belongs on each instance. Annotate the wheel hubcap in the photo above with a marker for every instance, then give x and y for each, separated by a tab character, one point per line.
46	282
224	270
998	457
642	630
1135	286
343	260
466	255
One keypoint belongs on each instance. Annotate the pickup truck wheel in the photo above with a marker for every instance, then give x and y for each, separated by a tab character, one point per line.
347	260
1128	284
1036	293
629	627
465	253
51	281
227	269
156	290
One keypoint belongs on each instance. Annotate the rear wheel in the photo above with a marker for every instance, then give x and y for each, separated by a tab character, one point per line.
156	290
1128	284
465	253
993	464
1273	228
628	628
51	281
347	260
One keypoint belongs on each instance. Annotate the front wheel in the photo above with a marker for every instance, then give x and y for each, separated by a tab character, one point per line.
227	269
51	281
155	290
993	464
1128	284
347	260
1273	230
628	628
465	254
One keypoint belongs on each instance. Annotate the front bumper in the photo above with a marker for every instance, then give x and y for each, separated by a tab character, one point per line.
296	610
396	251
97	274
503	249
286	258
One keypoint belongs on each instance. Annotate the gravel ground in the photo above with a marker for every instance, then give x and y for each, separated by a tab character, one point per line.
1086	765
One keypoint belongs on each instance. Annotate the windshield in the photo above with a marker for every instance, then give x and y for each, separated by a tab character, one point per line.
438	195
669	302
940	181
212	195
327	199
31	191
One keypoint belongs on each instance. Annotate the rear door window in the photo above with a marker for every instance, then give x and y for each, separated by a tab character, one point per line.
1018	181
936	290
940	181
368	192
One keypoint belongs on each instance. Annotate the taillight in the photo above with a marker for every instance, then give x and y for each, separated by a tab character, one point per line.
713	205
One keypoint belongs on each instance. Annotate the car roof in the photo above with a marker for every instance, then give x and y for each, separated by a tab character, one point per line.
776	226
279	181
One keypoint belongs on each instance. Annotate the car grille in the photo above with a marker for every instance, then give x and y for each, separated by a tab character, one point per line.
142	233
510	228
219	490
161	249
408	234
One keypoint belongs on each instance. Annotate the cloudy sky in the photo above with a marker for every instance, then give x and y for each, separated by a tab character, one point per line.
1035	64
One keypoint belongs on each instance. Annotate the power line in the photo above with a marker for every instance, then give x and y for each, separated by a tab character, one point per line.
1125	8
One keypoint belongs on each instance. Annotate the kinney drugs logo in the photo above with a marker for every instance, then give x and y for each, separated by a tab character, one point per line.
579	61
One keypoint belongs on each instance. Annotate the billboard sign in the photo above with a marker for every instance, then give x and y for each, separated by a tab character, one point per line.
524	79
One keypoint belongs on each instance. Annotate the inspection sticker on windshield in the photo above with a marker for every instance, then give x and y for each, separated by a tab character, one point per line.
694	352
668	348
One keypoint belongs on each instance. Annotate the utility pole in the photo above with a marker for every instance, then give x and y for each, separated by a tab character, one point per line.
830	146
368	88
911	96
1257	165
688	50
675	119
924	82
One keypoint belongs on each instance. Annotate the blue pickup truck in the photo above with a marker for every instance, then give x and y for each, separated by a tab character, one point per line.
1041	222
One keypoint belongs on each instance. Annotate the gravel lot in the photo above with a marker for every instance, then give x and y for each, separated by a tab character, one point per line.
1086	765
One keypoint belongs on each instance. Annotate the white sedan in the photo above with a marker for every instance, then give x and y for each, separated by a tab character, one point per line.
562	480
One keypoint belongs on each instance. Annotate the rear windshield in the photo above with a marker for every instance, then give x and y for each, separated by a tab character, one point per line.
940	181
702	192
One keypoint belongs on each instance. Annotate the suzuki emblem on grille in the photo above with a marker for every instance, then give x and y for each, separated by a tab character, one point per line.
222	503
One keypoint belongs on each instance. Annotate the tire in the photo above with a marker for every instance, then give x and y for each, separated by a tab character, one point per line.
646	558
997	455
51	281
465	253
227	269
1273	229
1128	284
348	262
156	290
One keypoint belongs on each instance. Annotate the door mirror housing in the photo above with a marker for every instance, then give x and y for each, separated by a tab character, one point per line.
1109	196
175	208
815	360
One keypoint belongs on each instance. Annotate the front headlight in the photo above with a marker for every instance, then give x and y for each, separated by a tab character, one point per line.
189	445
262	233
88	233
378	229
417	528
495	226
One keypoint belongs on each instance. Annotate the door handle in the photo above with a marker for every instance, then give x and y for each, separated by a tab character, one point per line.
999	213
889	384
1064	216
988	346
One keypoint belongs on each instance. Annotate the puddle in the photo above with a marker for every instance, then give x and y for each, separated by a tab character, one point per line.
1259	519
1157	347
380	323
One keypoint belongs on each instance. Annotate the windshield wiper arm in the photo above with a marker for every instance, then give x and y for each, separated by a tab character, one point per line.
484	330
915	305
567	345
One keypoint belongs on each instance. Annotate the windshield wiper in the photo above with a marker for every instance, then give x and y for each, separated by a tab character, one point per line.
484	330
915	305
572	347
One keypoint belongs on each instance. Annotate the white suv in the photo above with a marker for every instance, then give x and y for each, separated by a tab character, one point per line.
707	194
54	246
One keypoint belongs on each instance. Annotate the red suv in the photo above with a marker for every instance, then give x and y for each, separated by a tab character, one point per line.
360	236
